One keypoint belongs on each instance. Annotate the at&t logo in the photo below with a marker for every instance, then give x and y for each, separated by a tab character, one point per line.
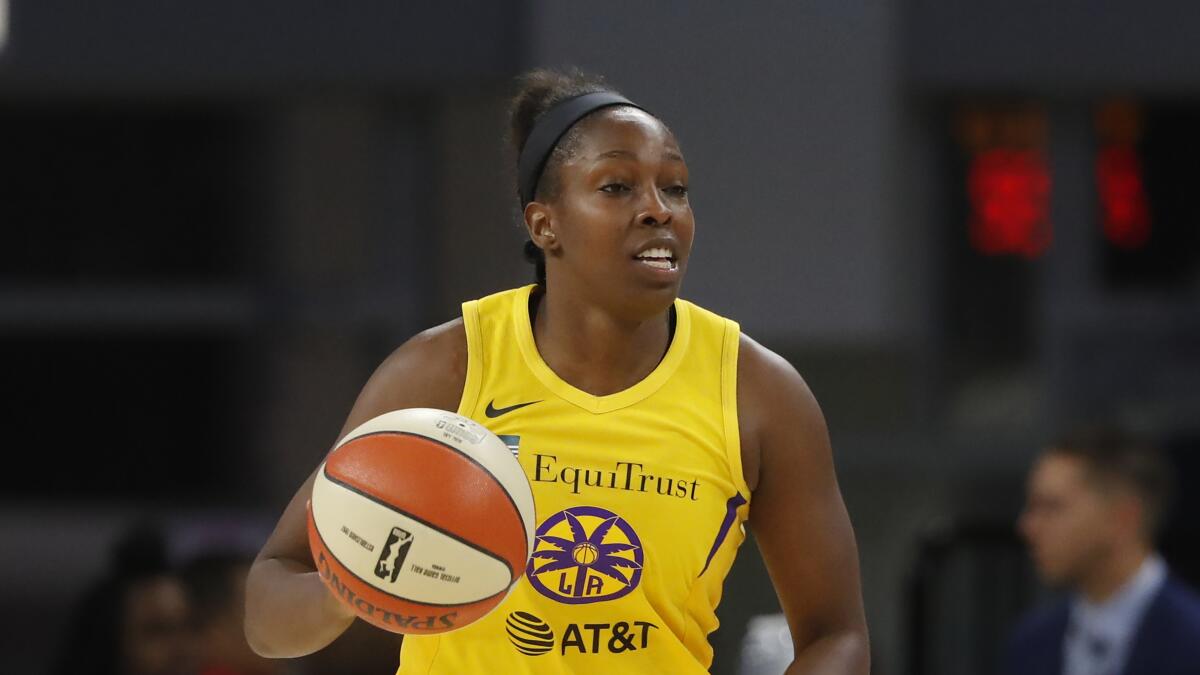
532	636
529	634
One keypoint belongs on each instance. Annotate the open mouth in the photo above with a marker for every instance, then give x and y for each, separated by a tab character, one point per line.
658	258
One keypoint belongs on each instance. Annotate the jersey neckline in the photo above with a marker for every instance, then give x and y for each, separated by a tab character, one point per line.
590	402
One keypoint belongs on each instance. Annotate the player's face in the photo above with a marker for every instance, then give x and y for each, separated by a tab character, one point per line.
1068	522
622	218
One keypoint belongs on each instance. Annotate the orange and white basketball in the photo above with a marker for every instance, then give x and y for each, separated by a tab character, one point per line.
421	520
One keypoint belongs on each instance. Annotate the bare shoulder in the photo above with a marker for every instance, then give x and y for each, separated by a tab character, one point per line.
765	372
772	398
427	371
433	351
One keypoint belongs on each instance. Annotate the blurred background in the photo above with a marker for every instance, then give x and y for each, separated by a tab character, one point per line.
968	225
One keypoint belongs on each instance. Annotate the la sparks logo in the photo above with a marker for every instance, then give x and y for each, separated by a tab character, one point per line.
585	554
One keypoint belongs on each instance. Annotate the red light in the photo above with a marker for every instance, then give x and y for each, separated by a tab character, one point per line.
1123	196
1009	191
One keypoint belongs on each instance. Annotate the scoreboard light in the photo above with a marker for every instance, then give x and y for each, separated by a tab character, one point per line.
1126	212
1008	179
1120	183
1009	191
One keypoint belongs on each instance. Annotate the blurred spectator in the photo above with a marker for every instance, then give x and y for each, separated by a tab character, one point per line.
216	589
1094	505
215	581
132	621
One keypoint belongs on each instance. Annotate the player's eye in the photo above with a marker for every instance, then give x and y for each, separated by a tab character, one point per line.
615	188
678	190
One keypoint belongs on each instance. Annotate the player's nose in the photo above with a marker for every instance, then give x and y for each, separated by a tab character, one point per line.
654	211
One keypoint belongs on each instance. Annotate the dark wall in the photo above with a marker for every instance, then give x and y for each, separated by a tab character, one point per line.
1062	46
224	45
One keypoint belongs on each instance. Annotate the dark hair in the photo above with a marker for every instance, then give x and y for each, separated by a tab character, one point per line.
1116	458
211	584
538	91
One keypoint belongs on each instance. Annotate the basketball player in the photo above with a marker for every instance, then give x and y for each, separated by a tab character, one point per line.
650	429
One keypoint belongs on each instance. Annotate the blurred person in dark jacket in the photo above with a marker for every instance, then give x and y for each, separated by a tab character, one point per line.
1094	505
133	620
216	589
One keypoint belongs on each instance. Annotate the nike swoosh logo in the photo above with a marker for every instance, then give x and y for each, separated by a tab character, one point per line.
493	411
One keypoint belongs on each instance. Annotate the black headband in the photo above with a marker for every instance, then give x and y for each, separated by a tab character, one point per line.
550	127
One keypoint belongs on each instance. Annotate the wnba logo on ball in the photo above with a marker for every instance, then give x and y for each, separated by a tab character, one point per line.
391	560
585	554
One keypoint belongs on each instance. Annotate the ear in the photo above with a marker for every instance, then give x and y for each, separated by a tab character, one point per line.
1130	512
539	222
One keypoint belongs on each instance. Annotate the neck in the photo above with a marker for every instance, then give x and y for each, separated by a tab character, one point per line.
593	348
1112	573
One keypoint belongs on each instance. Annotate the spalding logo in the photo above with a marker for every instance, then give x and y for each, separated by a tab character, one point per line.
585	554
529	634
365	607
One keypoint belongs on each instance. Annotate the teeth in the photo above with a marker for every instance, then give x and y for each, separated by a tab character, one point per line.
656	253
660	264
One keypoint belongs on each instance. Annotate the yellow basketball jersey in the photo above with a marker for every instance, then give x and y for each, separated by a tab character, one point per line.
640	503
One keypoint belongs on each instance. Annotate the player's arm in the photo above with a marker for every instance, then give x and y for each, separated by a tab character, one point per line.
289	612
798	517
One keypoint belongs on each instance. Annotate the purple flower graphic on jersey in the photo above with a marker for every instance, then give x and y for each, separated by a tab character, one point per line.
585	554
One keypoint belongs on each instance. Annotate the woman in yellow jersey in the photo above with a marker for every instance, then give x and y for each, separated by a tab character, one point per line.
649	428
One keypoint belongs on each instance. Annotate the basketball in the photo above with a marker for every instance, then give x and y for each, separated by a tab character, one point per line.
421	521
